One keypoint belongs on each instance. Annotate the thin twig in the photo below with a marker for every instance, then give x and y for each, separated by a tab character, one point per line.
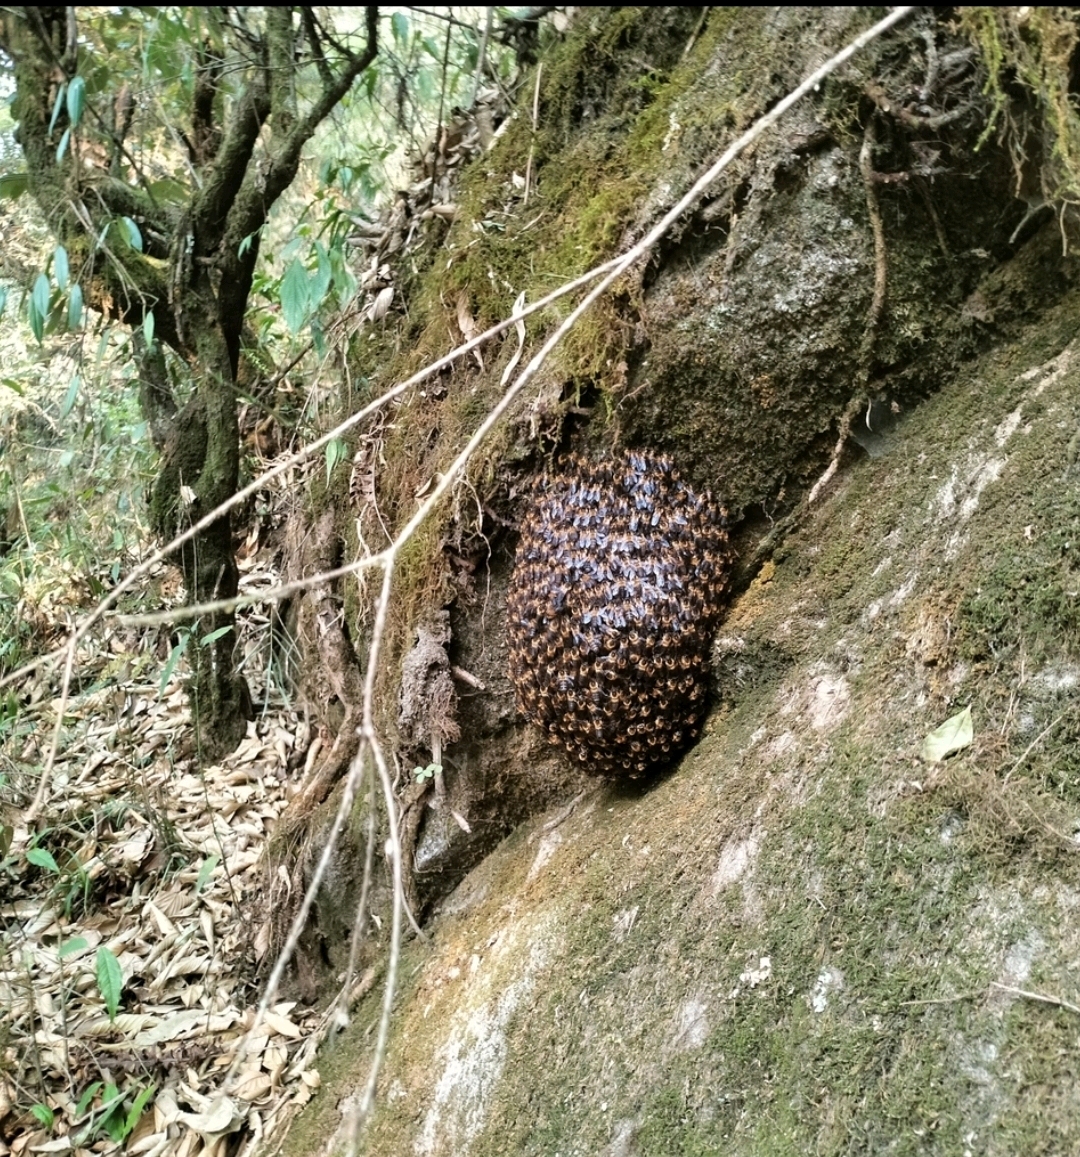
532	141
467	677
1041	997
481	58
960	996
1032	745
866	167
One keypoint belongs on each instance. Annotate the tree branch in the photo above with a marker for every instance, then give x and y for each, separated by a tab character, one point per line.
261	188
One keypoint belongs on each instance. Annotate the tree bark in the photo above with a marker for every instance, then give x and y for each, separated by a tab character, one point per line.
194	270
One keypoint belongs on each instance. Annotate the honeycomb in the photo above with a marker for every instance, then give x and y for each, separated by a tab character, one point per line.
611	610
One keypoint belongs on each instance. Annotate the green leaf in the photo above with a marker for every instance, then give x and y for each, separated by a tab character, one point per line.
3	301
76	98
213	637
60	267
75	307
336	449
148	328
294	296
38	309
13	185
13	384
42	858
399	25
206	870
75	944
344	281
133	235
170	190
44	1114
89	1093
71	395
58	104
136	1110
110	980
41	293
173	659
110	1095
954	734
61	148
112	1106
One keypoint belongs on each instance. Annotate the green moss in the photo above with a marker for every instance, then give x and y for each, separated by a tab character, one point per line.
1032	49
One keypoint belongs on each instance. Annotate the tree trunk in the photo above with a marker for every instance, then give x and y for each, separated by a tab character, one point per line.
182	272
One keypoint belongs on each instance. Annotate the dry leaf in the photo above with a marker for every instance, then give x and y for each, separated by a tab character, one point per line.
283	1025
222	1116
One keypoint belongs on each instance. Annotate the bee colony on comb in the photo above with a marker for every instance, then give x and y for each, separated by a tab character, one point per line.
612	606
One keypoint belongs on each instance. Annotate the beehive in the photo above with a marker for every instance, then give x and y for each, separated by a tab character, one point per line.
613	602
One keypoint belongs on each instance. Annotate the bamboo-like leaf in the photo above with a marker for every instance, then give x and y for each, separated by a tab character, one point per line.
70	947
110	980
39	297
320	283
61	148
43	1114
89	1093
76	98
206	870
58	104
60	267
71	395
169	189
75	307
336	450
136	1110
134	236
173	659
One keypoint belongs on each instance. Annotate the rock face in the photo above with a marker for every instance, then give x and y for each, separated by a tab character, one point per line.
614	599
